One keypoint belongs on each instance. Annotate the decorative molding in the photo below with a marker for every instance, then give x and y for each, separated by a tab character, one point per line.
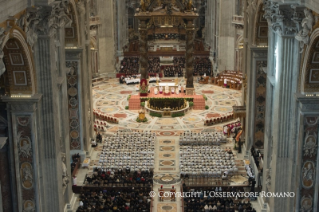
73	96
279	18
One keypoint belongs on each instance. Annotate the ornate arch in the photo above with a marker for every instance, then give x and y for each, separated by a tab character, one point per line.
260	36
19	64
309	74
72	32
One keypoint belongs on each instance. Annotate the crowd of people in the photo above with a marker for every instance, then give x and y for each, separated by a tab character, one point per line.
154	65
129	66
120	178
134	151
202	65
190	138
208	203
115	200
171	71
179	61
211	161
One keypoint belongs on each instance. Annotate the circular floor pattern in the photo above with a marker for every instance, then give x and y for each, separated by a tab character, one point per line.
166	133
167	163
109	109
223	109
167	155
167	179
167	207
219	96
191	119
167	142
167	148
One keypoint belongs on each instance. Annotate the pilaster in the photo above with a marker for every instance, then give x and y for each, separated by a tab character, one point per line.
190	30
280	171
22	121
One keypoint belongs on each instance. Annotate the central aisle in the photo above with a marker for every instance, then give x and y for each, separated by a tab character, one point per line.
166	173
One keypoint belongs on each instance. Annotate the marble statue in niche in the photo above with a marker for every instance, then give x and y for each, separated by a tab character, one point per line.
25	149
308	174
26	175
310	146
306	24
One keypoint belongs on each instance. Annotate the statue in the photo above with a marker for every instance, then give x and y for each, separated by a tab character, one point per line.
306	24
25	148
65	176
189	5
143	6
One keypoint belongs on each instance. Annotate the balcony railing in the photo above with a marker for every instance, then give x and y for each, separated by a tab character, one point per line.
95	20
238	20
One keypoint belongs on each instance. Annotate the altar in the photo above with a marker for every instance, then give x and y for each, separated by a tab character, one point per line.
170	85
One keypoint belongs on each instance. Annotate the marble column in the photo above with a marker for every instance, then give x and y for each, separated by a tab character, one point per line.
52	128
143	49
107	44
226	36
283	71
190	30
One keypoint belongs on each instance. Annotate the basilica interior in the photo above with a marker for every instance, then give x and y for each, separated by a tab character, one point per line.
159	105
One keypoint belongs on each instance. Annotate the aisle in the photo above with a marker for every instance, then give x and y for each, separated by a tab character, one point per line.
166	173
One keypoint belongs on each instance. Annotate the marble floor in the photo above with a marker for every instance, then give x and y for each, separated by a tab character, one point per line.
110	97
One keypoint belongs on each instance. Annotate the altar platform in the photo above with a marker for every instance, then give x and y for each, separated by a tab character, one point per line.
135	100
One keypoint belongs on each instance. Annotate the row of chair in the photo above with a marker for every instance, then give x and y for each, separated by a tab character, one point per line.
100	115
217	120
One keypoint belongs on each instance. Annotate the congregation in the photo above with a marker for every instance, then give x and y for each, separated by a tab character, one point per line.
115	200
129	65
202	66
207	161
154	66
134	151
207	203
190	138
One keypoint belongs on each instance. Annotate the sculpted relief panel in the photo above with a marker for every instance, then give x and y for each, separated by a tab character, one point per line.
24	152
308	161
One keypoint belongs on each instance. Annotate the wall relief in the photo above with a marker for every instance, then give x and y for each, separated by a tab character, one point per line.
26	175
25	149
308	174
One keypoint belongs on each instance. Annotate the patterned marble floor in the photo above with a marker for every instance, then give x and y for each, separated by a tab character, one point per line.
110	97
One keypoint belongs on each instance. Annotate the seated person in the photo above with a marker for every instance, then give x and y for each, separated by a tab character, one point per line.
160	89
166	89
155	91
177	91
172	90
93	143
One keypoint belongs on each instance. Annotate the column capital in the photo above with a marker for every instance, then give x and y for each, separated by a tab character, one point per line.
280	19
51	18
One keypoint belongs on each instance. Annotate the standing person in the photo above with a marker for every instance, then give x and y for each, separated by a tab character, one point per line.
74	180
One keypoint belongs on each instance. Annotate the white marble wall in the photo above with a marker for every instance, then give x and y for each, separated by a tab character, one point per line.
11	7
